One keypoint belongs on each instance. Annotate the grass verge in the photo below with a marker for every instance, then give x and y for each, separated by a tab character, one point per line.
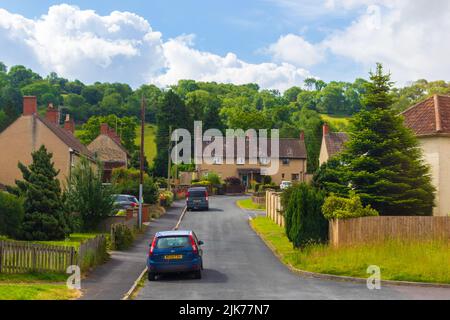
249	205
425	261
37	292
149	139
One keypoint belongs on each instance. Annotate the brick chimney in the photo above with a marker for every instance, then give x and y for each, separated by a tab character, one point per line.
104	129
52	114
302	135
69	124
326	129
29	105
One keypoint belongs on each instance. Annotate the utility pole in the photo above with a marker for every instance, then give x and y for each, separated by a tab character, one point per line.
141	160
169	160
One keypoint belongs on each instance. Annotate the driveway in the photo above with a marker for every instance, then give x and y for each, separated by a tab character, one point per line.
238	265
112	280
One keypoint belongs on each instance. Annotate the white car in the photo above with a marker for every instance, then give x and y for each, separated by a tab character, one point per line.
285	184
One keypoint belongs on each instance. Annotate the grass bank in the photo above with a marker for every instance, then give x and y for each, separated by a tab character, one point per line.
37	292
149	141
426	261
248	204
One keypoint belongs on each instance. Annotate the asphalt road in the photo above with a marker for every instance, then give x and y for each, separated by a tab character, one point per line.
238	265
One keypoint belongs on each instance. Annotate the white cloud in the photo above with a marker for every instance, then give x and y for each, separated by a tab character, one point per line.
123	47
185	62
411	40
296	50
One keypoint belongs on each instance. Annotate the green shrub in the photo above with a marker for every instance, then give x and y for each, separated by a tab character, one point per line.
213	178
11	214
342	208
123	237
166	198
126	181
305	223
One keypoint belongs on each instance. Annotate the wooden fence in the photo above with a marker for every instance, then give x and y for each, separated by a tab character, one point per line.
373	229
23	257
273	207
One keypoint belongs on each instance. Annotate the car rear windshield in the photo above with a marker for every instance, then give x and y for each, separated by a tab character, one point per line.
173	242
197	193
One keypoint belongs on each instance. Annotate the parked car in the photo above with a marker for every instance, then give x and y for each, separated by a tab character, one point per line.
175	252
197	198
285	184
124	201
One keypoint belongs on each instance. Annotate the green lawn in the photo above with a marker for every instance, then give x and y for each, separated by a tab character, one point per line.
149	141
249	205
74	240
37	292
404	261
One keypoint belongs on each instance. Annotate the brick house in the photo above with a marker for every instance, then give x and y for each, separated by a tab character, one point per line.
430	121
109	150
29	132
332	144
292	163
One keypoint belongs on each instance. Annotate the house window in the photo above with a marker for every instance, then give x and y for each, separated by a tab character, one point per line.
264	161
285	162
295	177
218	160
240	160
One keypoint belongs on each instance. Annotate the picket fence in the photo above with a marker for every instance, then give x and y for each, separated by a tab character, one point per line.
24	257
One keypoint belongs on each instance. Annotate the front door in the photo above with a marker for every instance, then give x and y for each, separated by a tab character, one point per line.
245	180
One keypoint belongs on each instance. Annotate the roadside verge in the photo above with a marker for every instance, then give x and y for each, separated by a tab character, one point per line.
309	274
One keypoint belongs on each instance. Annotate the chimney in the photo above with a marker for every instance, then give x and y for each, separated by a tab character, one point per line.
52	114
326	129
69	124
29	105
104	129
302	135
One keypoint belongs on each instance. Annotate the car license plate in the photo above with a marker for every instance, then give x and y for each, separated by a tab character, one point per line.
197	201
173	257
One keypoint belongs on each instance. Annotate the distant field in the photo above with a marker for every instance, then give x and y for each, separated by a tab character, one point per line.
339	122
149	141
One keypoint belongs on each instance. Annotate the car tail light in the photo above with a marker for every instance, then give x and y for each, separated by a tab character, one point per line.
152	247
187	196
206	195
134	204
194	246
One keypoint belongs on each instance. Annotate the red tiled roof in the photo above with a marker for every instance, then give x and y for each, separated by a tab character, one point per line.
334	142
429	117
67	137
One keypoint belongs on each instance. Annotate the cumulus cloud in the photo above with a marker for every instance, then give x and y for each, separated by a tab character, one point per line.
185	62
411	40
123	47
296	50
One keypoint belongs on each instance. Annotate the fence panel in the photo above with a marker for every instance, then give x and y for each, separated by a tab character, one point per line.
273	207
373	229
23	257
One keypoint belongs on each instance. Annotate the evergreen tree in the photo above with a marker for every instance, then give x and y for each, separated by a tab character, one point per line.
172	114
382	161
44	215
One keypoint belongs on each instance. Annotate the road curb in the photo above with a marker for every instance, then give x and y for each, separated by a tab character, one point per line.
133	288
322	276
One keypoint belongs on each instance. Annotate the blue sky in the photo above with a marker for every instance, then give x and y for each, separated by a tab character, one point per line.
276	43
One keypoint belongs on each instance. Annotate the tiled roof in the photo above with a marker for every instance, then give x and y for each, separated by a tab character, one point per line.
334	142
67	137
288	148
429	117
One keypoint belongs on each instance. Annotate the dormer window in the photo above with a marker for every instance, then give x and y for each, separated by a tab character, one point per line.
218	160
264	161
240	160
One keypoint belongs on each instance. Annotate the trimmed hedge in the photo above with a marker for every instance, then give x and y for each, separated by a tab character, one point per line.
11	214
342	208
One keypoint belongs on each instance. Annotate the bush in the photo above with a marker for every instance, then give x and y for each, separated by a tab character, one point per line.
305	223
233	181
123	237
11	214
166	198
126	181
213	178
342	208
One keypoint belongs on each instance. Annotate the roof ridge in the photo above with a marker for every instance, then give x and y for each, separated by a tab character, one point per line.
437	113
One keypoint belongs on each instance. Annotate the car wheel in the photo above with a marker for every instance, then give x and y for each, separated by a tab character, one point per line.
151	276
198	274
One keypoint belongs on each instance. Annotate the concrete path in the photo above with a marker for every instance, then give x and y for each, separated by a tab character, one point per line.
238	265
112	280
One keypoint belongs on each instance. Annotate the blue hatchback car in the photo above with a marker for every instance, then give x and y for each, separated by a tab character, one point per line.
175	252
